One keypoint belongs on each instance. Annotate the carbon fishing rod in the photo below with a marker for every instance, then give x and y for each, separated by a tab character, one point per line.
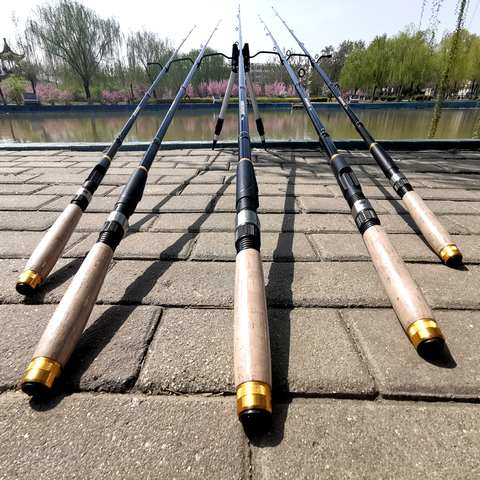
228	93
48	251
68	322
406	297
253	371
433	231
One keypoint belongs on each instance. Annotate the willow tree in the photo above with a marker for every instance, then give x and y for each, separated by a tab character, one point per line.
449	65
144	47
355	73
377	56
77	35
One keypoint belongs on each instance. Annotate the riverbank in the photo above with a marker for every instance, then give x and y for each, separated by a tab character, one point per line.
5	109
343	144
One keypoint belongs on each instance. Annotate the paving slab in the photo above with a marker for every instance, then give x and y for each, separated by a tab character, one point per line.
107	358
25	202
469	222
336	205
275	247
93	222
165	246
15	189
71	190
26	220
267	205
412	248
140	437
52	288
192	352
331	439
167	302
194	222
22	244
454	374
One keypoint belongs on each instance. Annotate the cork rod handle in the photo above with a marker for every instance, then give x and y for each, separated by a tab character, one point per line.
68	322
251	337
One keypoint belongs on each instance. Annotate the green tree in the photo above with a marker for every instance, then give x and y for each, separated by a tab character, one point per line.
377	62
355	72
69	31
473	65
15	87
409	55
144	47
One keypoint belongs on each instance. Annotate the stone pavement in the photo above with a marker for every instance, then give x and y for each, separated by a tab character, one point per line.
149	390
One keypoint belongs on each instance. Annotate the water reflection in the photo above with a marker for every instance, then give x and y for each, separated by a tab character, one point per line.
200	125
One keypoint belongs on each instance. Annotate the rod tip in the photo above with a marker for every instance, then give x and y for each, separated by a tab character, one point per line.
214	143
255	422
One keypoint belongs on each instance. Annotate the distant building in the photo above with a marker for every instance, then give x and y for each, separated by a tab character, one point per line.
257	71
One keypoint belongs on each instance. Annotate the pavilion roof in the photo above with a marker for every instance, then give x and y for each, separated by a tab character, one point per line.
8	54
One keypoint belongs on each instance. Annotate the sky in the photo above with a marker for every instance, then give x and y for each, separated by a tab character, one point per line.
316	23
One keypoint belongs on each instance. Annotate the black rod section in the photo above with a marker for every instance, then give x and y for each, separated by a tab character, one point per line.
113	230
436	235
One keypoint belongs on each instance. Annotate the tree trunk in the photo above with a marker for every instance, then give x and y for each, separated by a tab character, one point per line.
3	98
33	87
373	94
86	86
399	93
411	91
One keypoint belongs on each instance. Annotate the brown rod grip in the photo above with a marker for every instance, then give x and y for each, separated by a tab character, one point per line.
68	322
433	231
251	337
407	299
53	244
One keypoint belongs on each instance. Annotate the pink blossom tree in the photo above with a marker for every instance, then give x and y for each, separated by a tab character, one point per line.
202	90
189	90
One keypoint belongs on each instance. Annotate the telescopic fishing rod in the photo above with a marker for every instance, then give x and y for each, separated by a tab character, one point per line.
433	231
406	297
253	371
68	322
48	251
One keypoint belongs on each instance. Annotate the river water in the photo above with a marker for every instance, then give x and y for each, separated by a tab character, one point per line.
199	125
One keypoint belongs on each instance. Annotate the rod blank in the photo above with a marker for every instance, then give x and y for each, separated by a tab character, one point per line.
431	228
406	297
68	322
49	250
253	376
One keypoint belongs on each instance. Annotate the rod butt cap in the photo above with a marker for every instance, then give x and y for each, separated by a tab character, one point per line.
451	256
255	421
426	336
28	282
254	395
36	390
40	376
431	347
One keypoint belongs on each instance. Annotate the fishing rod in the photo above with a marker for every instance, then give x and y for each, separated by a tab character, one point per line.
433	231
68	322
253	371
406	297
48	251
228	93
